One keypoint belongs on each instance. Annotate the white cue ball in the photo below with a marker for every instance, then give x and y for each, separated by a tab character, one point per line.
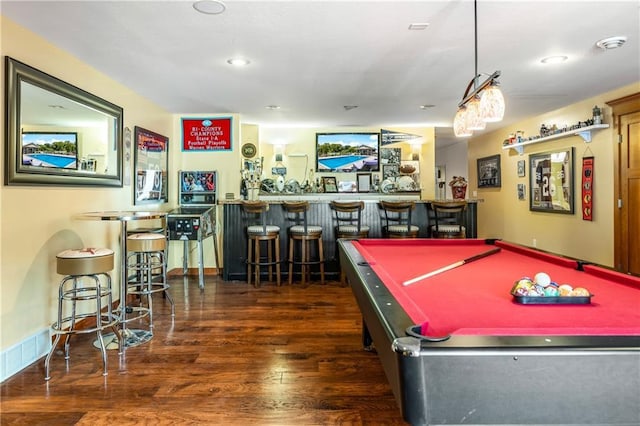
542	279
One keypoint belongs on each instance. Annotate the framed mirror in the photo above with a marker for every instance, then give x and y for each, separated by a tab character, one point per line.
58	134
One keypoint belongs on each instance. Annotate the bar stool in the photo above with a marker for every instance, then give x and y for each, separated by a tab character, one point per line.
449	219
153	230
255	215
147	265
347	217
86	280
397	219
304	233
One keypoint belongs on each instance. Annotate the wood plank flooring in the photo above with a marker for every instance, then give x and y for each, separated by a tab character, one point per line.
233	355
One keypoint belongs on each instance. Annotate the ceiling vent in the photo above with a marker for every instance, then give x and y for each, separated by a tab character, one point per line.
611	42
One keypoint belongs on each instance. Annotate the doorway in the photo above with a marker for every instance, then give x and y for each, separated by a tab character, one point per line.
626	118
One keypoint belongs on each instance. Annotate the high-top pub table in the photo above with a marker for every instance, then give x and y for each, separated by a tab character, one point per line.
132	337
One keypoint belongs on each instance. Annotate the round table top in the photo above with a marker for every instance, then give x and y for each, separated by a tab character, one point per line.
121	215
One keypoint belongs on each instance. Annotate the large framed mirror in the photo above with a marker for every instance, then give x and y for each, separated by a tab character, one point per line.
58	134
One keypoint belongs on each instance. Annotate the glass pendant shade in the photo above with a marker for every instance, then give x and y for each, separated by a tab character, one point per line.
460	124
474	118
492	104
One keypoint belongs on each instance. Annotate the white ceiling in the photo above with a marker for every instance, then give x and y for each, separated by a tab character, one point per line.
313	58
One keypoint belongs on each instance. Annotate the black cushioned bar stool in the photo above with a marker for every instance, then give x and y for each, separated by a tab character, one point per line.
397	221
258	231
303	233
87	282
147	274
347	218
449	218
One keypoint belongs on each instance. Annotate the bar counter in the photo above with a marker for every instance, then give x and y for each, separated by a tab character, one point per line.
235	240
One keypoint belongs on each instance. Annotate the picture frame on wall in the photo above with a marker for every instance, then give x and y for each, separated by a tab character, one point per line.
551	181
151	162
522	165
390	171
329	184
489	173
521	191
390	155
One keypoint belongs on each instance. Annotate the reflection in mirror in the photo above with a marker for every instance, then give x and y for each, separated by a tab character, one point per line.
58	134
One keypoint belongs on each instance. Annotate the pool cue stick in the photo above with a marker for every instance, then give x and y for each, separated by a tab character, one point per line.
452	266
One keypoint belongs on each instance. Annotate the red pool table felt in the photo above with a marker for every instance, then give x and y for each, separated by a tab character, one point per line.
475	298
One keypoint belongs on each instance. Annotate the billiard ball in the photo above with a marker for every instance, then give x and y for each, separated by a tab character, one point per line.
522	287
565	290
542	279
580	292
551	291
536	290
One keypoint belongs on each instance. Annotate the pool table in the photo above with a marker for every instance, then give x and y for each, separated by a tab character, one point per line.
458	348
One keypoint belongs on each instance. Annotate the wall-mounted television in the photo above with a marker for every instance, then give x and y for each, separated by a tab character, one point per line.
348	152
55	150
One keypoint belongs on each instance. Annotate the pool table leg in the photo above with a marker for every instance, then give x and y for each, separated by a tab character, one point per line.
367	341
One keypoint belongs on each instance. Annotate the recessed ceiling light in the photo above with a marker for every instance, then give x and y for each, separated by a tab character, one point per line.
554	59
350	107
611	42
239	62
417	26
272	107
426	106
209	7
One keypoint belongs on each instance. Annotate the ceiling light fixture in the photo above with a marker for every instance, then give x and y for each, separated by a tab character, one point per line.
210	7
554	59
427	106
485	104
611	42
238	62
272	107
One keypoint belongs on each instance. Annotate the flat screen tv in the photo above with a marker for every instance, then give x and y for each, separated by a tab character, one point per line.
348	152
55	150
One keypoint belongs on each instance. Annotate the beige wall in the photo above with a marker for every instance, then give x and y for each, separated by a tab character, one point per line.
502	215
36	222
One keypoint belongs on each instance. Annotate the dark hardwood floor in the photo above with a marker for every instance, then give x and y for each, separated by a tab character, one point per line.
233	355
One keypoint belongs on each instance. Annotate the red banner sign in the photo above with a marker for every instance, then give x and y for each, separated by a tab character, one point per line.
206	134
587	188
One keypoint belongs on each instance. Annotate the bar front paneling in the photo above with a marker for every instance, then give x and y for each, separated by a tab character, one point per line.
235	241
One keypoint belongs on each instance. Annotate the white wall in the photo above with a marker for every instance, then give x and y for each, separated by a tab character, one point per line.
454	158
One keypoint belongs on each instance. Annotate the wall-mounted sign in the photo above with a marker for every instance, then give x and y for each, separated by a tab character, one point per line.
206	134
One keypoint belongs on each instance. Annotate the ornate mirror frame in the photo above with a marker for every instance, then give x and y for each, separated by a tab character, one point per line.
98	153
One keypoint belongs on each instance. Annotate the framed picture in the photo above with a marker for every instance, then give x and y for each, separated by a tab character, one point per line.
521	191
390	155
206	134
521	168
489	172
363	182
151	163
347	152
390	171
329	184
551	181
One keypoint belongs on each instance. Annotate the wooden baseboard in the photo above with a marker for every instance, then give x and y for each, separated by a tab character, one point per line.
193	272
